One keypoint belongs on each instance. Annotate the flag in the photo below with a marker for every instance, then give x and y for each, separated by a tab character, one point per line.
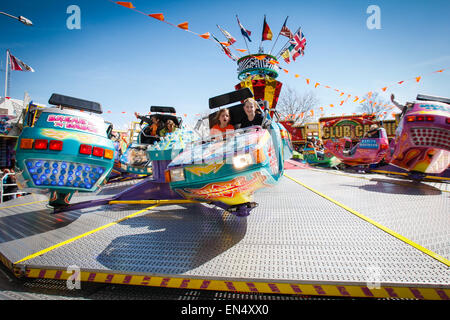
225	49
285	30
227	35
299	41
17	65
267	33
158	16
285	55
246	33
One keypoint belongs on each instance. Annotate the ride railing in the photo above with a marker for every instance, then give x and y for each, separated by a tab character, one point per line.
3	185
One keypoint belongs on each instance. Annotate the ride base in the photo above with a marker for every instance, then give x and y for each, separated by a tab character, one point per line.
368	236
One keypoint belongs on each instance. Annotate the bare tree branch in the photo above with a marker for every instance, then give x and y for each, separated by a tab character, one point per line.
374	104
291	102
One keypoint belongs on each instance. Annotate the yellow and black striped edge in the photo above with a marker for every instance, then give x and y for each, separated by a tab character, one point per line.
248	286
292	288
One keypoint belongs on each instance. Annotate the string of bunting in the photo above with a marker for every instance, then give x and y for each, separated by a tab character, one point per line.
295	47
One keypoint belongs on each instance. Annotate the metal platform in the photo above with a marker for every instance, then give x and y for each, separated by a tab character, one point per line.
318	232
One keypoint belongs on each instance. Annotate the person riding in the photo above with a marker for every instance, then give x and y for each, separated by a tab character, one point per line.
170	127
374	132
251	116
222	122
153	128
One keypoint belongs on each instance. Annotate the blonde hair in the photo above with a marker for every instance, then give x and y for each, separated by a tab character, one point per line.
252	101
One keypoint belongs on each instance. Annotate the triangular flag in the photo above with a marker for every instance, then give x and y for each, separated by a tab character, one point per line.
400	82
440	70
241	50
316	85
332	105
158	16
356	99
285	70
128	5
184	26
260	57
307	81
297	75
205	35
418	79
384	89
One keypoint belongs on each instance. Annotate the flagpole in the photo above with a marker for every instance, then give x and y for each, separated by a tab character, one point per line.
278	36
6	73
243	36
260	44
283	47
231	45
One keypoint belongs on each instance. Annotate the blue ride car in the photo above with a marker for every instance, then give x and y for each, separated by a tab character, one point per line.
63	149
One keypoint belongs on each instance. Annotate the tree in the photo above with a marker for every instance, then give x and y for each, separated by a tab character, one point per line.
291	102
374	104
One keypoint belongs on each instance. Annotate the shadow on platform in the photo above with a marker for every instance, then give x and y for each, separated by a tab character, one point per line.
174	241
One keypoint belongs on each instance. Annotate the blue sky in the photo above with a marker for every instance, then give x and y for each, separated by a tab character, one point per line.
128	62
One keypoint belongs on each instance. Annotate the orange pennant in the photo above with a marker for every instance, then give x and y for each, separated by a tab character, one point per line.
418	79
205	35
184	26
312	112
240	50
226	44
328	87
158	16
332	105
342	93
128	5
342	102
369	94
260	57
285	70
362	100
307	81
384	89
297	75
316	85
400	82
356	99
442	70
321	108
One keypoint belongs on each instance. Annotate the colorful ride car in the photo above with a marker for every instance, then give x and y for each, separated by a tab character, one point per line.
229	168
422	142
64	149
370	150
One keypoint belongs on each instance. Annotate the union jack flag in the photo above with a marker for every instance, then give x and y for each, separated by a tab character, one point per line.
299	41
